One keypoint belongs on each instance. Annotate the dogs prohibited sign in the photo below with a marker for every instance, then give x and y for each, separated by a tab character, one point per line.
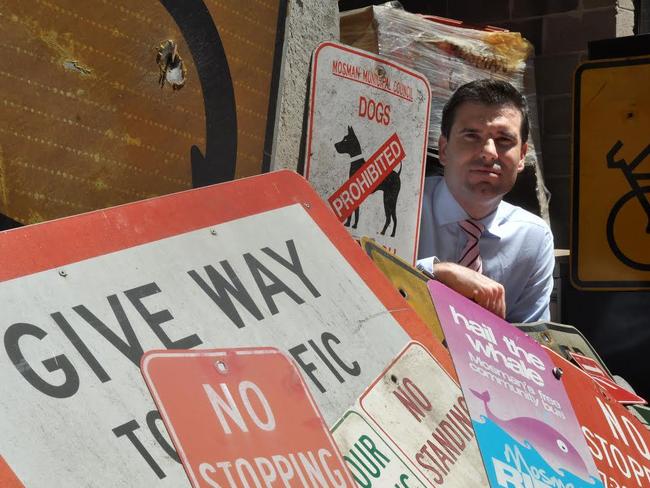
257	262
610	245
366	143
250	420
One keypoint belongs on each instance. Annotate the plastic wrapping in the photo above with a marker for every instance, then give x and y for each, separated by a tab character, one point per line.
448	55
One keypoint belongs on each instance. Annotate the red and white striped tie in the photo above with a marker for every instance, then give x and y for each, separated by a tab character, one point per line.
470	256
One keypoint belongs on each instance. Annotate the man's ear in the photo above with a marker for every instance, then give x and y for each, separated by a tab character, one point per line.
522	161
442	150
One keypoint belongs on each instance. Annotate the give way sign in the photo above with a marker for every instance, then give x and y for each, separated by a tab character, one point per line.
366	143
256	262
243	417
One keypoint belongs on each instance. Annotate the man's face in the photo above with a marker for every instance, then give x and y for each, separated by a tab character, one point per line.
483	155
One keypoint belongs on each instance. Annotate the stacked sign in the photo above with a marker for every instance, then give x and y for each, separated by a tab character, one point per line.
257	262
366	143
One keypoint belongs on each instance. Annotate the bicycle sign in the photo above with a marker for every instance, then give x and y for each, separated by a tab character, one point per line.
610	235
637	192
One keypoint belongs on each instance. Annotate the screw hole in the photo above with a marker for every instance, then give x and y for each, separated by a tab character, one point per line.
393	378
221	367
557	372
403	292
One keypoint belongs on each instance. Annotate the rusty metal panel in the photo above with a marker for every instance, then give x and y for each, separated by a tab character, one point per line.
107	102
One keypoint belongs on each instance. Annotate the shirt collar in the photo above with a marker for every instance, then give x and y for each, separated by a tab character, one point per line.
449	211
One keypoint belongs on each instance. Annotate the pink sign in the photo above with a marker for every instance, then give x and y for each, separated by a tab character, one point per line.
525	425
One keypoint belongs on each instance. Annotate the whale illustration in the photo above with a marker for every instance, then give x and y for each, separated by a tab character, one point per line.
548	442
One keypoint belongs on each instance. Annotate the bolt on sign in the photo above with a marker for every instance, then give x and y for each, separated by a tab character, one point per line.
610	232
250	422
421	410
369	457
256	262
618	442
408	281
366	143
524	422
110	103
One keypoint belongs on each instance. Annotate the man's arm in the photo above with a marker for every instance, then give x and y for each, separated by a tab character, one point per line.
486	292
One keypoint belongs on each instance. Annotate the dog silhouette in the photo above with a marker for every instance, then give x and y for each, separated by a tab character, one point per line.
390	186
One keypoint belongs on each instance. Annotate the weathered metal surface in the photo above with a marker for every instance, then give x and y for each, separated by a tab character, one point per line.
256	262
563	339
114	101
365	110
409	282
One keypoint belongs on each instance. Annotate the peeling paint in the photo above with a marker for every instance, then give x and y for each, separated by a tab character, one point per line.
171	66
61	44
131	141
77	67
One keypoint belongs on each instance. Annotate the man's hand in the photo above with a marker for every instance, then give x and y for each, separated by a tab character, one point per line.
486	292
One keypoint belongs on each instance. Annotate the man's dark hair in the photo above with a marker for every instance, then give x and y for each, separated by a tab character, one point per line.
486	92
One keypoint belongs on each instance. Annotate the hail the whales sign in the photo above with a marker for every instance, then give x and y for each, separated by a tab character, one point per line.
524	422
366	143
257	262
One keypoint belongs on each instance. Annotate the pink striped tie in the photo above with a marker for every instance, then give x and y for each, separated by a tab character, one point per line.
470	256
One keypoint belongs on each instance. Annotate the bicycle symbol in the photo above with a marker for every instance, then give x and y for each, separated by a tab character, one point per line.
640	193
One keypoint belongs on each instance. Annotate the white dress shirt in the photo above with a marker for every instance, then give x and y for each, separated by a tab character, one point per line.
516	248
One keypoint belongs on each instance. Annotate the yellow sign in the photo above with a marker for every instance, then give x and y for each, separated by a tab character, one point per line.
410	283
610	241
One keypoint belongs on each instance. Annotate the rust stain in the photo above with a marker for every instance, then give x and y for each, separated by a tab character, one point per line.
61	45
